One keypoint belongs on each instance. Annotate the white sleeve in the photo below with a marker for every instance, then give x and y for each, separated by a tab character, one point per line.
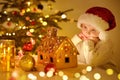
75	39
88	49
102	55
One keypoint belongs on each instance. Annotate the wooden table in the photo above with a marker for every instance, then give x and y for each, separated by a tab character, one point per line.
69	72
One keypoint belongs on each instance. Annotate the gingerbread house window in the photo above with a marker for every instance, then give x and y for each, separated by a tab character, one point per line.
51	59
41	57
67	60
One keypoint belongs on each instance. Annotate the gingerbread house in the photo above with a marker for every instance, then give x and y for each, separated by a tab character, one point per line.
58	50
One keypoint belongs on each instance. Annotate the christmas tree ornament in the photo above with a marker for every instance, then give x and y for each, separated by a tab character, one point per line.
27	63
50	67
27	46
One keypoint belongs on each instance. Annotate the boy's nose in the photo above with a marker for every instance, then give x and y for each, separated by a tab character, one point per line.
88	32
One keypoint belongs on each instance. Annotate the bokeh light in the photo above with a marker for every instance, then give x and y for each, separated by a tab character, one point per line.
77	75
60	73
109	71
42	74
65	77
97	76
88	68
118	76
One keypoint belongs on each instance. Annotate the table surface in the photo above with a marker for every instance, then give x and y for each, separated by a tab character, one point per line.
69	72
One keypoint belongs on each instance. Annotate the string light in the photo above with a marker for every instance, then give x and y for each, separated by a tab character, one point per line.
47	16
40	36
44	23
31	30
13	33
28	10
63	16
8	19
5	12
41	19
28	3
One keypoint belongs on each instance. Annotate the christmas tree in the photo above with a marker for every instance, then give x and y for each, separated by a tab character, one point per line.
25	22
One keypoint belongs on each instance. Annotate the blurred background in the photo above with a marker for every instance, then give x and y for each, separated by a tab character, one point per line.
79	7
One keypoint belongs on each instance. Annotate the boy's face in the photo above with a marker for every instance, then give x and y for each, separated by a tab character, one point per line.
89	31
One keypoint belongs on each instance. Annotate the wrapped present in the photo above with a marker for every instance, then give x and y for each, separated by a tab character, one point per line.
58	50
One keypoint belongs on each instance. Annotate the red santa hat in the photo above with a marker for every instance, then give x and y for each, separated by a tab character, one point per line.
100	18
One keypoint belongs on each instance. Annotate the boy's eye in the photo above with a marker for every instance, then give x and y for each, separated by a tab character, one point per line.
83	26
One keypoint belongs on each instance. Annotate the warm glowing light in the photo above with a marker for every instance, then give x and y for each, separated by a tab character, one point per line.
77	75
83	77
40	36
58	60
8	19
109	71
97	76
88	68
55	20
42	74
32	77
60	73
47	16
52	69
7	34
65	77
50	73
44	23
118	76
24	27
23	11
28	10
5	12
28	3
63	16
15	74
32	30
84	71
13	33
41	19
66	55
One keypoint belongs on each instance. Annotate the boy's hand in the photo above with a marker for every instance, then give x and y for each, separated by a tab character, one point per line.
94	39
82	36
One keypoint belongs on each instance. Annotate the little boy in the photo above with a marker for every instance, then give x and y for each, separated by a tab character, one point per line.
93	43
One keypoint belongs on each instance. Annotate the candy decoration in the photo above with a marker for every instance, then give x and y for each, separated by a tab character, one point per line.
50	67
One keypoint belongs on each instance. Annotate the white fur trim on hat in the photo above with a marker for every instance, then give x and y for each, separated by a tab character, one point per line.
93	20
